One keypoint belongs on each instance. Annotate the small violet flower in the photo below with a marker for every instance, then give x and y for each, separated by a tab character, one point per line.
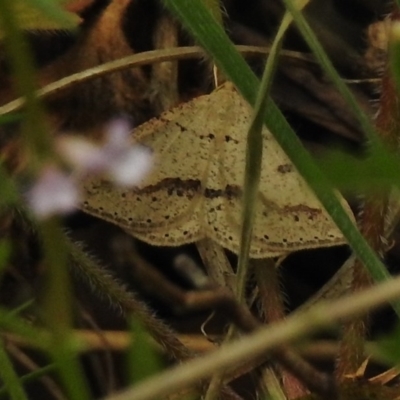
56	191
124	163
131	167
53	193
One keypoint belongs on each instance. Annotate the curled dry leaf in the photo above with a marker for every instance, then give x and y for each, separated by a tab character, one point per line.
195	188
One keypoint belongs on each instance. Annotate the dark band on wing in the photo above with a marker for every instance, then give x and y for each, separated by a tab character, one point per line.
189	188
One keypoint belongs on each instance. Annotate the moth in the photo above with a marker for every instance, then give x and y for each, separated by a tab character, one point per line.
195	188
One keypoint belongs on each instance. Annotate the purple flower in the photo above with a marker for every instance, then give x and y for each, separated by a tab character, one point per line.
84	156
54	192
126	164
57	192
131	166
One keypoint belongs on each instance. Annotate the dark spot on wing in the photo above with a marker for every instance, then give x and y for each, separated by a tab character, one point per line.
230	192
285	168
181	127
230	139
303	209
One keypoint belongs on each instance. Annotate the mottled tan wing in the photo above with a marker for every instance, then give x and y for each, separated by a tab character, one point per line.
289	217
196	185
168	207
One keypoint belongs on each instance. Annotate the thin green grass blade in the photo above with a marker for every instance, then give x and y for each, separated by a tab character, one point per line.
30	377
57	311
10	322
143	360
64	354
387	346
254	155
57	299
320	54
8	375
378	172
215	8
20	59
23	307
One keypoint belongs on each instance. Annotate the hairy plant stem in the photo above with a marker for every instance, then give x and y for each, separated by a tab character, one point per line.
372	222
104	284
273	310
351	351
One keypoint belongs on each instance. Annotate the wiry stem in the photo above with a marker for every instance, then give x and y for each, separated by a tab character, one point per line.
136	60
351	353
105	285
273	309
221	273
372	226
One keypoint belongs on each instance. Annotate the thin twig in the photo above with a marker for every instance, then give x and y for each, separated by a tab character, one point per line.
108	381
136	60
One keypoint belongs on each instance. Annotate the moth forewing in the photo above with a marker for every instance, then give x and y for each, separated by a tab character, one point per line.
195	188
